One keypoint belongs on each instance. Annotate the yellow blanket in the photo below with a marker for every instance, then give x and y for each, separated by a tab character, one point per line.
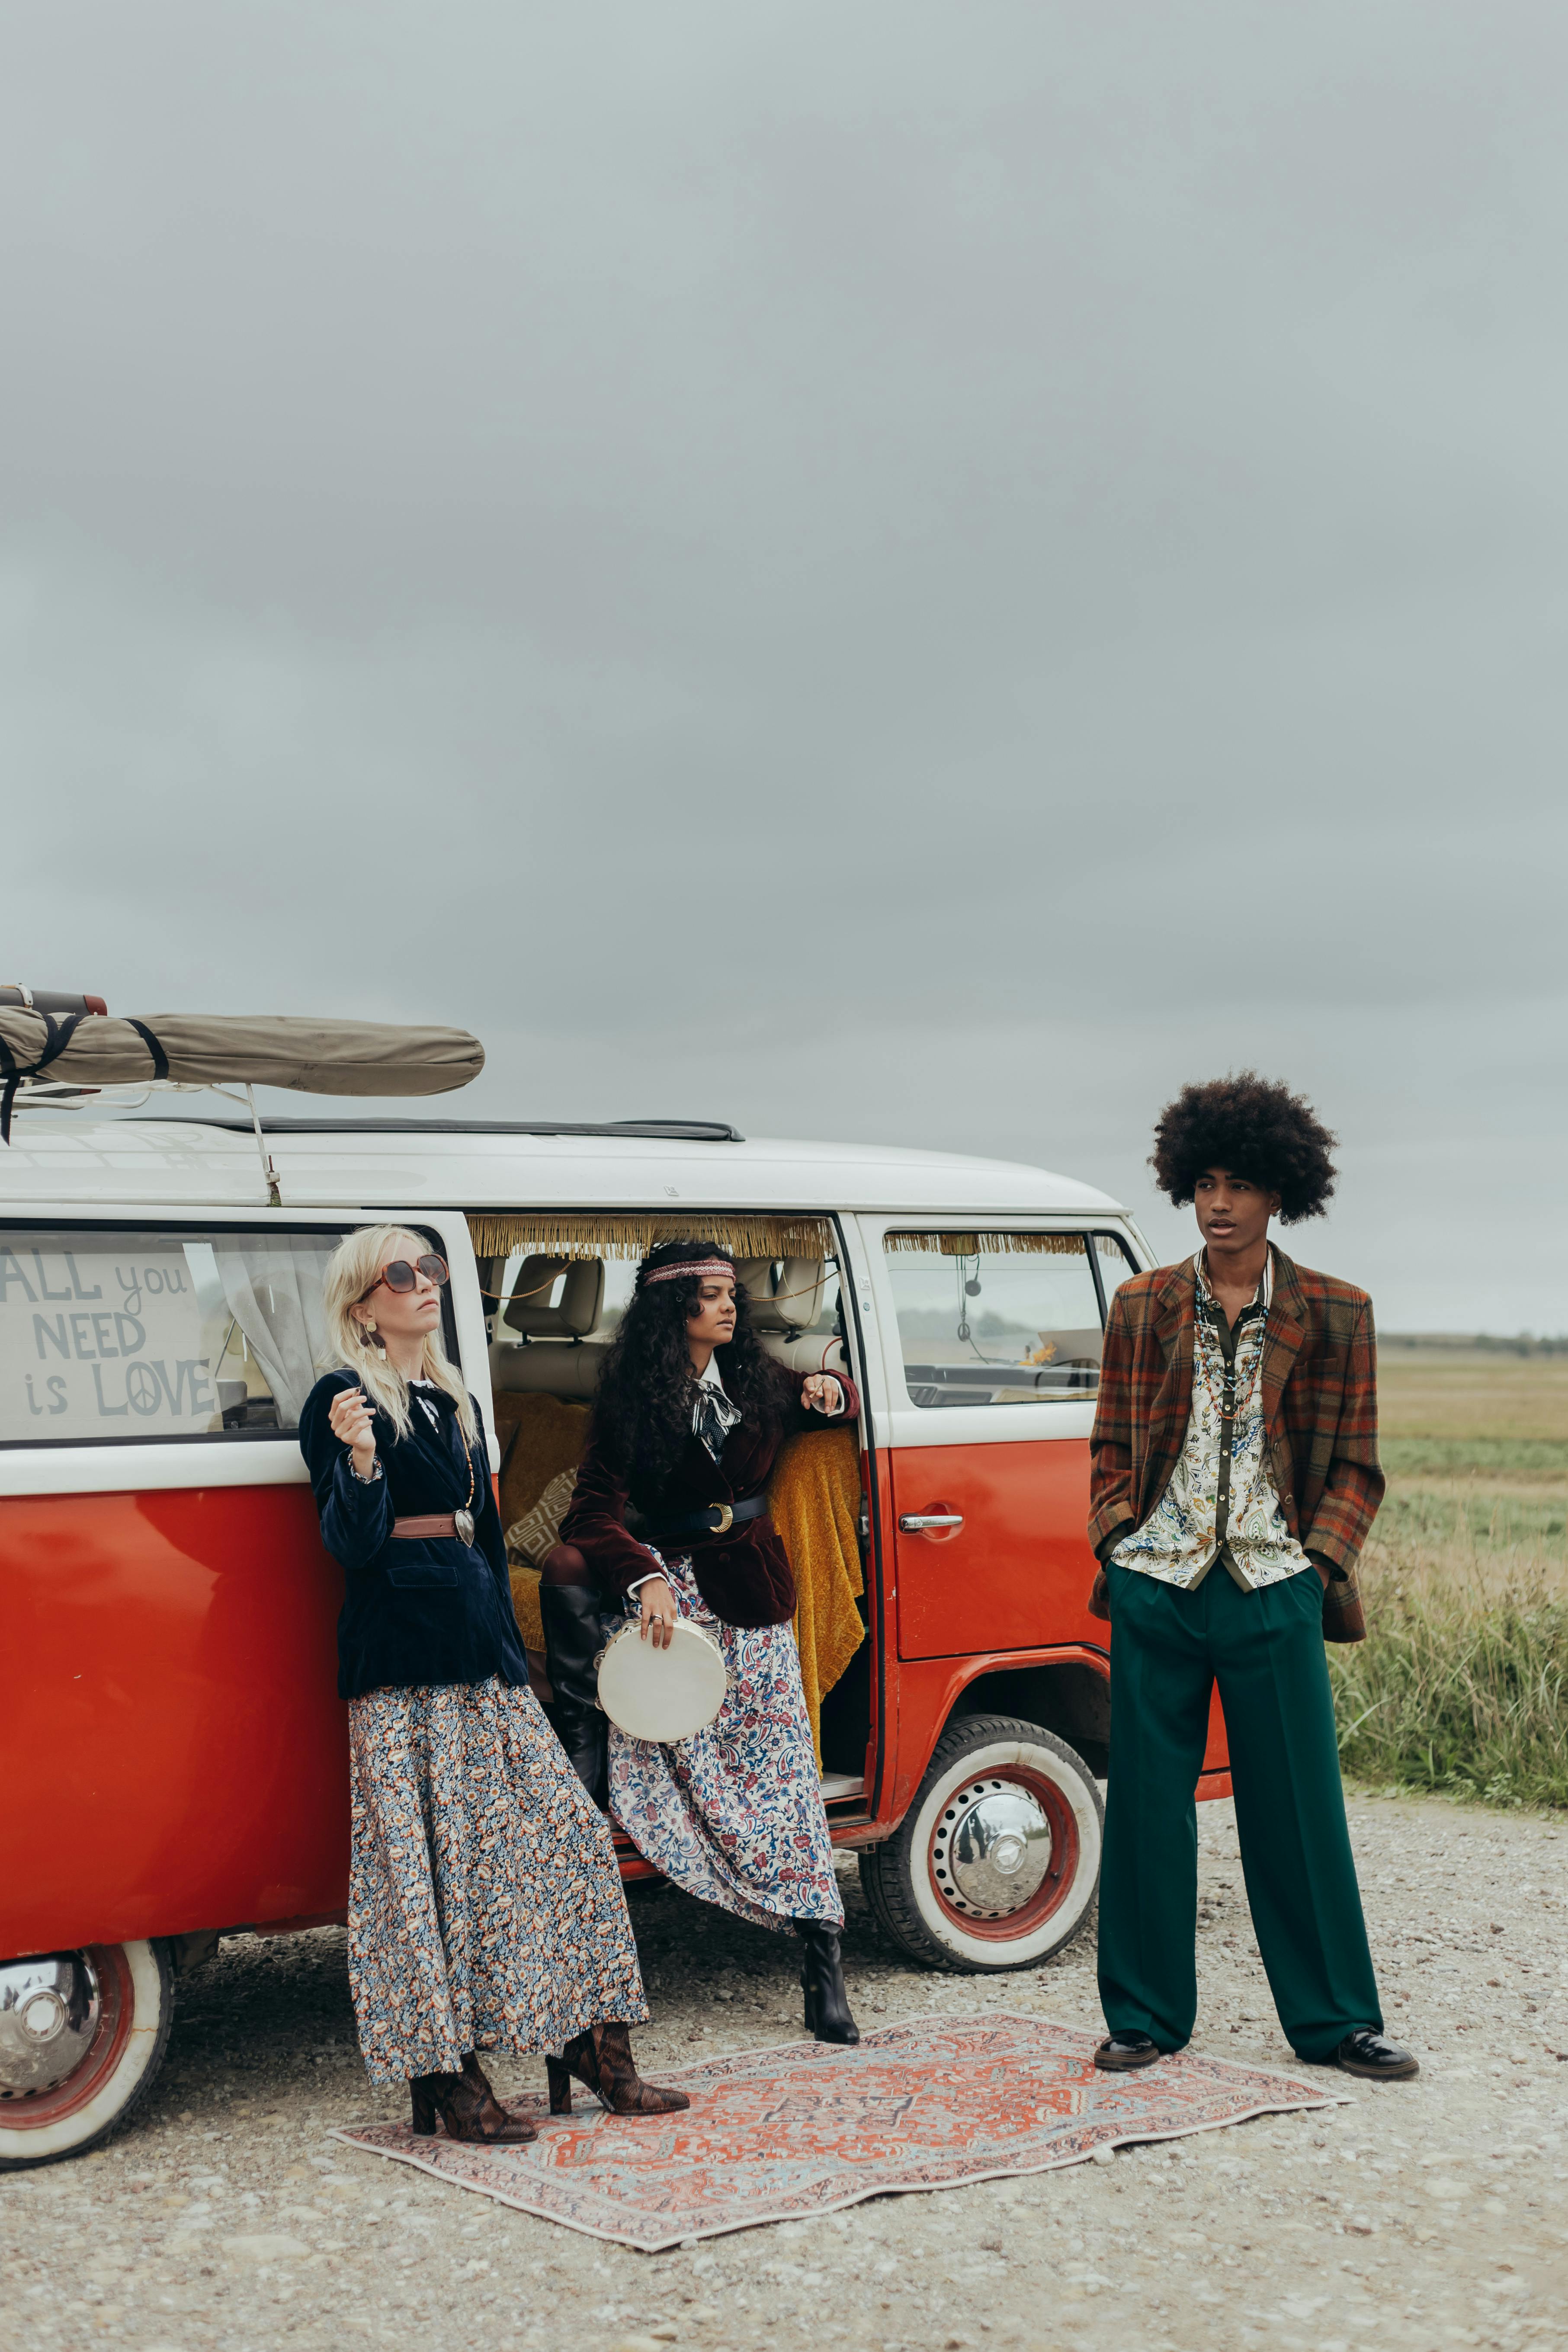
813	1496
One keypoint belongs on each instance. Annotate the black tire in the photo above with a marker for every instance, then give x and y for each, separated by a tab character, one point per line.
135	1987
937	1884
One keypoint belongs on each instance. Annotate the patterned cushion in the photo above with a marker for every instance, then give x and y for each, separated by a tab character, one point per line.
540	1436
539	1530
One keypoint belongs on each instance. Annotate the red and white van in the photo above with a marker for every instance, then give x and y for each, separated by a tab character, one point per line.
173	1751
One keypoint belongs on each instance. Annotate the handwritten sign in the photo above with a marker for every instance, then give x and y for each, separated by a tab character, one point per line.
102	1342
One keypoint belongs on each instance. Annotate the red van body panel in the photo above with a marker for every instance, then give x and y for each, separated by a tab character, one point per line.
1008	1590
929	1689
179	1752
1018	1571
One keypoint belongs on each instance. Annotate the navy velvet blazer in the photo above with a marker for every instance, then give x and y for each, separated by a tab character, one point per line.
424	1612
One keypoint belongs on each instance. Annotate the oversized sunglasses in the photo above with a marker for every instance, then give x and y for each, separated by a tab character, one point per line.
401	1275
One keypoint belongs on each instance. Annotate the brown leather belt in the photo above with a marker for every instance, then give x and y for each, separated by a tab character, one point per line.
434	1524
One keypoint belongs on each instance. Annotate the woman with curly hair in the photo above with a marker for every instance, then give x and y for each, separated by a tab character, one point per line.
691	1414
1235	1430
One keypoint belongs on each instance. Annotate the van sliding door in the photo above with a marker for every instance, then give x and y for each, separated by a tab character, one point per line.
991	1349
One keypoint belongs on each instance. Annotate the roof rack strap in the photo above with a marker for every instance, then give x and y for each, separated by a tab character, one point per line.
56	1037
159	1059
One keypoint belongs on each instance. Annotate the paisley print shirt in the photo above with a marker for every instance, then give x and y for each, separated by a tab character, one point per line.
1221	1503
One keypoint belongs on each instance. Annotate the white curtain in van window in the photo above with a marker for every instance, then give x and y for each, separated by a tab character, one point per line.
275	1296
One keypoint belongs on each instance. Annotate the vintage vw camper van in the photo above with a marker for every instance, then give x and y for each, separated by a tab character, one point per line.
173	1751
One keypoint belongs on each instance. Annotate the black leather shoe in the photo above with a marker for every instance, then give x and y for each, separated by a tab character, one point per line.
1367	2052
574	1638
827	2014
1122	2052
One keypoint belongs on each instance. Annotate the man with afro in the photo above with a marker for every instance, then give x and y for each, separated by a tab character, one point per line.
1233	1477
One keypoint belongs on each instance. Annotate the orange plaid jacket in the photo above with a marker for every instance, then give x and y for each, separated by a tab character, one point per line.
1320	1408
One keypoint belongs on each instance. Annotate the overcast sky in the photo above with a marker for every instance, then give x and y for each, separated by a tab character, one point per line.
895	570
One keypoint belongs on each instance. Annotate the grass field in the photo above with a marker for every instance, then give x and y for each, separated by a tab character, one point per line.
1462	1684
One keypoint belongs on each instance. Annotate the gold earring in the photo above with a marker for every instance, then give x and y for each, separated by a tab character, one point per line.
368	1326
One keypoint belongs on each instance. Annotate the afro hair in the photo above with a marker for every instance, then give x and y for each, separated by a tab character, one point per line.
1254	1127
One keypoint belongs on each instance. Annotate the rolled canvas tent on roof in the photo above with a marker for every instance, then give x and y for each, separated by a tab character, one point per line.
322	1057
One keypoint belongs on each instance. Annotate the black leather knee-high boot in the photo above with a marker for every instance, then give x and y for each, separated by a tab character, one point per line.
572	1639
822	1979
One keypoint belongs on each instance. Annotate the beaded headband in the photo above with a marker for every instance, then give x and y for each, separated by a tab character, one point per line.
691	1265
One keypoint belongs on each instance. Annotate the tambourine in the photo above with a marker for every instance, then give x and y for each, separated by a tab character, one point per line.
662	1695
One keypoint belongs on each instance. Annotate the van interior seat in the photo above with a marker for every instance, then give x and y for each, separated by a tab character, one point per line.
577	1313
813	1351
547	1368
783	1313
557	1350
795	1304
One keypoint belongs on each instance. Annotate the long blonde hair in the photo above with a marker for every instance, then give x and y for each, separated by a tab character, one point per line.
351	1270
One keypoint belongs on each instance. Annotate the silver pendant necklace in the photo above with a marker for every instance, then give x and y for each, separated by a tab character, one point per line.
463	1520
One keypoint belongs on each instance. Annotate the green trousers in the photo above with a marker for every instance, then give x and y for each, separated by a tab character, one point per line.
1265	1649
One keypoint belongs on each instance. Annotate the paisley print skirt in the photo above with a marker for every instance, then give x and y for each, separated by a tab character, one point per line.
734	1813
485	1904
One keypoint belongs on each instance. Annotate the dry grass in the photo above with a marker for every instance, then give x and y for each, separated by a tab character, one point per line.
1462	1686
1468	1414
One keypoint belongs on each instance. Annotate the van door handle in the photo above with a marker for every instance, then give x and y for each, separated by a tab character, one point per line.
914	1523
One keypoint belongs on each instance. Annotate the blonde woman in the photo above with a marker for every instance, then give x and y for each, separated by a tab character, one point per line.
485	1905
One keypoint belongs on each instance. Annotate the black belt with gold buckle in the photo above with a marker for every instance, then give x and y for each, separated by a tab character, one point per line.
716	1520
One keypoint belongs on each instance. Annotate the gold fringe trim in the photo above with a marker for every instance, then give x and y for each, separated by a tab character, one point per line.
498	1232
990	1245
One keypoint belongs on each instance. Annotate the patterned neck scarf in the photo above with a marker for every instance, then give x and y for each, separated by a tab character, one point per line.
713	1416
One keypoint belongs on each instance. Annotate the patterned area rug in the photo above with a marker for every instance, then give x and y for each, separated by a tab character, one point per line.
778	2135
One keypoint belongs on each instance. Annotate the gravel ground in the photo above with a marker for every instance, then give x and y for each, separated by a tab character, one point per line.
1422	2214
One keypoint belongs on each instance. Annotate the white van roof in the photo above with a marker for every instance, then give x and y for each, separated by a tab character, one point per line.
60	1159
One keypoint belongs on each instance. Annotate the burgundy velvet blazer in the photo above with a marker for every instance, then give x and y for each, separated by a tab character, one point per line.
744	1576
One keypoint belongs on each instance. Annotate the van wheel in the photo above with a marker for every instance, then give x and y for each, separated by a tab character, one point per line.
82	2035
995	1864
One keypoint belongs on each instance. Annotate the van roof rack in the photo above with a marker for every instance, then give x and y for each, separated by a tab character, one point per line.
657	1130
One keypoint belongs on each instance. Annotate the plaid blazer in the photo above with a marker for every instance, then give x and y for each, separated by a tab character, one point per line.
1319	1410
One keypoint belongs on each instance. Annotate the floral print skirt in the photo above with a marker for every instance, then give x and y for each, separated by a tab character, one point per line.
485	1903
735	1814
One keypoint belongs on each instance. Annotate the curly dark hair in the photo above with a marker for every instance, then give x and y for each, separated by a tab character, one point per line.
1255	1128
642	1413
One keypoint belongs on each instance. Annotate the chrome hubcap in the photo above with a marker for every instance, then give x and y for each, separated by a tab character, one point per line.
992	1849
49	2012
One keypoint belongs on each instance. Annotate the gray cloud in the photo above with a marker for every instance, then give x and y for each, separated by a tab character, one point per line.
901	571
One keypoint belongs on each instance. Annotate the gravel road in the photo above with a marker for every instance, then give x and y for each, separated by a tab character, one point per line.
1422	2214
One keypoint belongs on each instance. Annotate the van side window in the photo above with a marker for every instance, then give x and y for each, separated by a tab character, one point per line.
1000	1318
114	1335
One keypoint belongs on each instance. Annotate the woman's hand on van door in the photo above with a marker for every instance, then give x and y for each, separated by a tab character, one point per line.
351	1426
822	1392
